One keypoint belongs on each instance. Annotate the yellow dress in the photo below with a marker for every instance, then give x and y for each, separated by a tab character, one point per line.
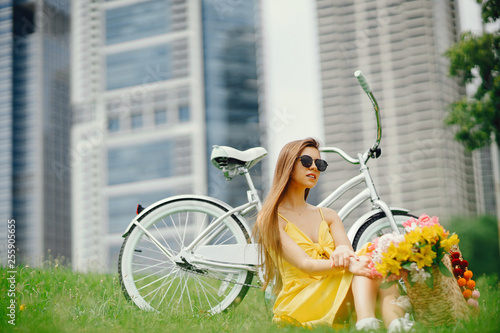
312	300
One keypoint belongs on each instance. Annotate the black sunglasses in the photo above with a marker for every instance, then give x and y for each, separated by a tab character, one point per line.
307	161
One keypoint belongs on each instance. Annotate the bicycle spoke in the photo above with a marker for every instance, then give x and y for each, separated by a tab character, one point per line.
169	248
202	224
185	228
148	258
166	292
143	249
227	240
204	292
177	239
165	282
217	241
198	293
166	243
185	287
147	276
173	294
161	234
145	267
147	285
208	285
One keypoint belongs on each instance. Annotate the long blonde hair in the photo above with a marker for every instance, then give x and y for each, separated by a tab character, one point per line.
267	226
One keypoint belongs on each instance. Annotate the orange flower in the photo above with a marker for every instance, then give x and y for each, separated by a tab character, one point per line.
471	284
461	282
467	293
468	274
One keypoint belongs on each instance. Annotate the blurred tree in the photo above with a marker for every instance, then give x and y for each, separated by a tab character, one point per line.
479	243
477	119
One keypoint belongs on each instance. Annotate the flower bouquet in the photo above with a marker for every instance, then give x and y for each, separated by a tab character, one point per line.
421	257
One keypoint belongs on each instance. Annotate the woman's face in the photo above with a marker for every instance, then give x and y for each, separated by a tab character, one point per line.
302	176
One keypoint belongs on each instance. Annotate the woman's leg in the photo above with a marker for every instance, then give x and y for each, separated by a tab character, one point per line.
390	310
364	291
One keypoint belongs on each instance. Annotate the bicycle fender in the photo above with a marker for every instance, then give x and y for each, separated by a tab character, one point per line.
359	222
165	201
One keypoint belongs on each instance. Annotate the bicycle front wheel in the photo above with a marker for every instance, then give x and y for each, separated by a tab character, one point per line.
153	281
378	225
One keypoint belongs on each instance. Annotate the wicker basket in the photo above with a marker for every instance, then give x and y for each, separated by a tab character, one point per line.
442	305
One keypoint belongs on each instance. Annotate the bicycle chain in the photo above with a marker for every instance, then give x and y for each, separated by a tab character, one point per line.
216	278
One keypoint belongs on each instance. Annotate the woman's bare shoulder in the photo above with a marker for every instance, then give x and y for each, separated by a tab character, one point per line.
330	215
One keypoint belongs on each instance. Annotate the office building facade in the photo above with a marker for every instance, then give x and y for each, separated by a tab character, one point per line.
399	46
35	127
152	91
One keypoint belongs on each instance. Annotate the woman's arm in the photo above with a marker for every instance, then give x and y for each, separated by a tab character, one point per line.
294	254
343	253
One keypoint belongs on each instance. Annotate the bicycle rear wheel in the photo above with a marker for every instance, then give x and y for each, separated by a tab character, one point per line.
378	225
155	282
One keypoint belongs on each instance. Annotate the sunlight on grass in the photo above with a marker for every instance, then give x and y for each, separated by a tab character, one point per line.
55	299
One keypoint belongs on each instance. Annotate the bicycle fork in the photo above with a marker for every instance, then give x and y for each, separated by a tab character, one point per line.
374	198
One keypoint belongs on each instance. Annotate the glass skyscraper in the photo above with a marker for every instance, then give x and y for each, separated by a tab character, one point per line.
35	126
230	84
155	84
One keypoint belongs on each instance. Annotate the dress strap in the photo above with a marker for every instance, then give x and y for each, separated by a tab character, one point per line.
284	218
321	212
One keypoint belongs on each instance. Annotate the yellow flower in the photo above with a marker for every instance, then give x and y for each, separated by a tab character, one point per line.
414	236
391	251
392	265
22	307
403	251
448	243
433	234
424	257
381	268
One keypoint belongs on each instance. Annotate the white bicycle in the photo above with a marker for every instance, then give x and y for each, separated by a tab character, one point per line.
196	253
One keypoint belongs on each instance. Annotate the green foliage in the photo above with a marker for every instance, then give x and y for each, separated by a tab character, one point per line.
477	58
478	243
490	10
55	299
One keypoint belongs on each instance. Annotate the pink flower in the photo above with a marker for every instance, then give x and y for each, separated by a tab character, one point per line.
424	219
410	223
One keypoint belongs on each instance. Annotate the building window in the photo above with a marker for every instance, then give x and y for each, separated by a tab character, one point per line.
140	162
139	20
143	66
183	113
113	124
136	121
160	117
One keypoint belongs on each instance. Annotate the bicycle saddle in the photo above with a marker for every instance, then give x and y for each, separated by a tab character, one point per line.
228	159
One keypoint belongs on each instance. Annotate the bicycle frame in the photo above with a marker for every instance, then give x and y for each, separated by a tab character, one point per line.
244	256
368	193
240	256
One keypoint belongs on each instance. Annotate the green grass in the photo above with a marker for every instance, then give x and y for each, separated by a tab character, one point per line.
59	300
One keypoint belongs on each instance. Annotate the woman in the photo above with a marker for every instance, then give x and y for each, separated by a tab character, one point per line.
308	255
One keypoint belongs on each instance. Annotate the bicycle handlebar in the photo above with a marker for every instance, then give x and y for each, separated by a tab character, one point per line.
362	81
371	152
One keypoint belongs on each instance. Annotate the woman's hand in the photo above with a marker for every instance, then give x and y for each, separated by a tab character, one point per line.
360	267
342	255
